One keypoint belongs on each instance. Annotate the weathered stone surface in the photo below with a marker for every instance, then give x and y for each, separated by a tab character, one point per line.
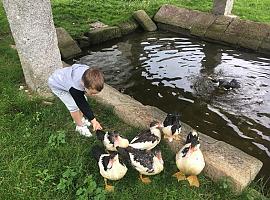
234	31
179	17
103	34
175	29
128	27
253	34
265	45
217	29
222	160
144	20
222	7
33	30
83	41
202	22
97	25
68	47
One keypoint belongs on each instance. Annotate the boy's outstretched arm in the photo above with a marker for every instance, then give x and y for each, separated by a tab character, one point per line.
84	107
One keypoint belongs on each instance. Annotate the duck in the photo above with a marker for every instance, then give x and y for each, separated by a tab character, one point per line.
148	139
112	139
111	166
190	160
146	162
172	127
225	84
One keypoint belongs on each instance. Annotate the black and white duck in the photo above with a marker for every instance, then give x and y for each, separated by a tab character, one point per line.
146	162
225	84
112	139
111	166
172	127
148	139
190	160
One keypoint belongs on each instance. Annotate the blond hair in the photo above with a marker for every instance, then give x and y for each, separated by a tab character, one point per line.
93	79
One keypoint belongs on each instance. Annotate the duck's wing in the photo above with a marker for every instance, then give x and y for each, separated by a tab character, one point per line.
142	159
145	137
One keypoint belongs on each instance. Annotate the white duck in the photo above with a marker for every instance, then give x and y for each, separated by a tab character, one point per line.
190	160
172	127
111	166
148	139
146	162
112	139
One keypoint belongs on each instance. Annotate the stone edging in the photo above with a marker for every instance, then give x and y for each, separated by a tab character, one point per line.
217	28
222	159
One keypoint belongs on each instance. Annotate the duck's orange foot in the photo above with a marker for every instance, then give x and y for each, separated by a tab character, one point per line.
193	181
145	180
170	138
180	176
177	137
109	188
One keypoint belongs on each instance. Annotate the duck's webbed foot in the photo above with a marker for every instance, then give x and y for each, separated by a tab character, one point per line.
108	188
145	180
180	176
177	137
193	181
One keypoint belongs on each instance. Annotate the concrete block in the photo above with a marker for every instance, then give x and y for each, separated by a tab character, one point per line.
178	17
68	47
128	27
217	29
202	22
144	20
99	35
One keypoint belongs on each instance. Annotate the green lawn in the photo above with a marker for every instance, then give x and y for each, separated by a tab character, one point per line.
40	154
75	15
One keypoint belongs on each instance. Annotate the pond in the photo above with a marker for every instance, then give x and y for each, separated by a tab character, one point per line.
173	73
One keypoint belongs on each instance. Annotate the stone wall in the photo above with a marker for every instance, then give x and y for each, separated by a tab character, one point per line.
218	28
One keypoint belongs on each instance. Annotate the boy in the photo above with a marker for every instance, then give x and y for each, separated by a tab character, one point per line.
70	84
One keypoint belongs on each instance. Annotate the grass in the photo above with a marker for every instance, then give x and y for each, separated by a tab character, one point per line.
40	154
75	15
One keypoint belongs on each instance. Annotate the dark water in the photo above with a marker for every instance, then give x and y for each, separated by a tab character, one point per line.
171	72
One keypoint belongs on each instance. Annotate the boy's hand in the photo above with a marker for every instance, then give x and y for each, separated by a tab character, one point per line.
96	125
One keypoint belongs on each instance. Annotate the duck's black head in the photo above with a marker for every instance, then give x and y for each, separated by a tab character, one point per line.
112	136
100	134
155	124
193	138
123	154
234	84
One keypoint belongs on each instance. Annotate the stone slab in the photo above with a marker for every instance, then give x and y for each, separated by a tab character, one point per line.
128	27
265	45
234	31
175	29
144	20
202	22
179	17
217	29
222	159
100	35
68	47
253	34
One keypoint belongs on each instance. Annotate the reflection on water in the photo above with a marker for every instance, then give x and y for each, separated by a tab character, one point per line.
171	72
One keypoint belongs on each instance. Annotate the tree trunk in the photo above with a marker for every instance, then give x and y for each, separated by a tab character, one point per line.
33	30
